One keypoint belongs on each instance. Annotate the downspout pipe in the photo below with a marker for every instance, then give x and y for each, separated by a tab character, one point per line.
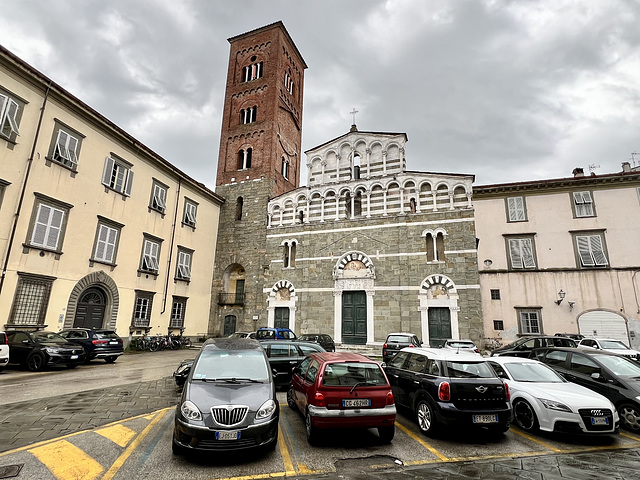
16	216
173	237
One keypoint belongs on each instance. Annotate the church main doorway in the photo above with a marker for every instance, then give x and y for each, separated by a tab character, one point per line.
90	310
439	326
281	318
354	317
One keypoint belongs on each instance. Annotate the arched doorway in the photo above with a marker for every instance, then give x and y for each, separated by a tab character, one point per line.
90	309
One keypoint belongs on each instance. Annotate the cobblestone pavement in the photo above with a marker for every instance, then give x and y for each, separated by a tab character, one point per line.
24	423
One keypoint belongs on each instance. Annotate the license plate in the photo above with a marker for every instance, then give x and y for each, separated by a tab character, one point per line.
356	402
485	419
599	421
113	343
234	435
74	357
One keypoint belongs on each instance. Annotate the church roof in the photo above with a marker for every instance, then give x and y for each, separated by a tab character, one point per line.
357	133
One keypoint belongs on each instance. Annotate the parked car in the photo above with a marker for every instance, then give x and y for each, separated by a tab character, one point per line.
98	343
4	350
461	345
609	345
523	346
342	390
541	399
613	376
228	402
37	350
243	335
443	387
396	342
274	333
575	336
323	339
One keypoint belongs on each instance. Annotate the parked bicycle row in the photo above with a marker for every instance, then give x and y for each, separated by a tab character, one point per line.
159	342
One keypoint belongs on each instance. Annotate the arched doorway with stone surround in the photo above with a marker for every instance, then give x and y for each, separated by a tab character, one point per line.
354	282
86	292
281	305
438	310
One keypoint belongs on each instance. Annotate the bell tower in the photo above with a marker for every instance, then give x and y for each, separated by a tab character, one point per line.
262	117
260	148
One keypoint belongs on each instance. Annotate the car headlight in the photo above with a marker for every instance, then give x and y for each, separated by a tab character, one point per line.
553	405
266	410
190	411
52	350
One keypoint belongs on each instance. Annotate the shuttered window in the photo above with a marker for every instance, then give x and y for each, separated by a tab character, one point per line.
515	207
591	250
530	322
150	256
183	270
190	210
8	116
521	253
66	149
117	176
48	227
106	244
159	197
583	204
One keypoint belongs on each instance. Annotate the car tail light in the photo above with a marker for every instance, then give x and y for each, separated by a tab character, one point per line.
99	342
412	346
444	392
318	400
390	399
506	391
476	350
3	339
384	347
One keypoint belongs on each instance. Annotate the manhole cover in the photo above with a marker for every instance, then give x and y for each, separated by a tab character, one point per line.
9	471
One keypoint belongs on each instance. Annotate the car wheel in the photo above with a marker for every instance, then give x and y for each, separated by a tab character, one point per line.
87	357
35	362
629	416
525	416
386	433
111	359
426	418
290	401
312	432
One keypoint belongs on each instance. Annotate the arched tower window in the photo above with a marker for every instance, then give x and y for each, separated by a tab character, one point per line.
285	168
356	166
244	158
239	205
248	115
347	204
435	247
357	204
288	81
253	71
412	205
289	253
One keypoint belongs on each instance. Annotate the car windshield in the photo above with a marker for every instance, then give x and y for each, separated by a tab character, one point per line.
227	365
399	339
47	337
265	334
238	335
349	374
460	344
105	335
613	345
619	365
470	369
532	372
308	338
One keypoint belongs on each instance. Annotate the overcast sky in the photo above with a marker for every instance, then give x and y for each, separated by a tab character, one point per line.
506	90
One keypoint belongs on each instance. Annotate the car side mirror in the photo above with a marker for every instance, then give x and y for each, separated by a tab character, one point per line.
597	376
383	365
275	372
26	342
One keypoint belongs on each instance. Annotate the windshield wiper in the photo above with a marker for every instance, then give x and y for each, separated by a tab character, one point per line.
359	384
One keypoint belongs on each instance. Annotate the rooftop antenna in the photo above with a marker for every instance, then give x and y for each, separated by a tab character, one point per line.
633	158
592	167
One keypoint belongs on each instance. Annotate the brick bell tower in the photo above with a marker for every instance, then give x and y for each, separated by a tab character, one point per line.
259	158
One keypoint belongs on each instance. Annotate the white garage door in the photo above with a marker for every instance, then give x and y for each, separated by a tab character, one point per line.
600	324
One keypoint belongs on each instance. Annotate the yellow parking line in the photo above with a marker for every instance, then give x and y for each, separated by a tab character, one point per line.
628	435
76	464
421	442
134	444
118	434
284	451
535	440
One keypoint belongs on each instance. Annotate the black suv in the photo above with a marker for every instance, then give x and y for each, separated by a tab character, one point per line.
37	350
323	339
611	375
98	343
396	342
523	346
449	388
228	401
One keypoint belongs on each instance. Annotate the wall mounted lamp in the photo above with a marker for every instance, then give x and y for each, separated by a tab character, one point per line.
571	304
561	294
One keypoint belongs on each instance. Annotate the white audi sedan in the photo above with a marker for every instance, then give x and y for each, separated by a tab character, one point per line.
542	400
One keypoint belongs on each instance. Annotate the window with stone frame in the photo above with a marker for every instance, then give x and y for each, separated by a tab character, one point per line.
252	71
48	223
142	309
64	148
117	175
190	212
248	115
106	242
11	108
150	258
288	81
183	264
435	246
529	322
590	247
244	158
583	204
30	300
495	294
521	252
178	310
498	325
158	200
289	253
516	209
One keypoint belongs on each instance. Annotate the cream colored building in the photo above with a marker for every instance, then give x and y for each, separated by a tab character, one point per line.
96	229
561	256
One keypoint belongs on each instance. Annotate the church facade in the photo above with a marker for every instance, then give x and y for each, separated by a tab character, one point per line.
366	248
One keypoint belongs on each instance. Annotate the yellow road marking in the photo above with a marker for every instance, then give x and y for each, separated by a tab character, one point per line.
284	451
535	440
134	444
118	434
76	464
421	442
149	417
628	435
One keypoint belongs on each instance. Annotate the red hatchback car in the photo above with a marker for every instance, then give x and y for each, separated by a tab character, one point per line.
342	390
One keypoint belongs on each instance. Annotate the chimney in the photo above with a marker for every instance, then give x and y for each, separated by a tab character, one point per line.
578	172
626	167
